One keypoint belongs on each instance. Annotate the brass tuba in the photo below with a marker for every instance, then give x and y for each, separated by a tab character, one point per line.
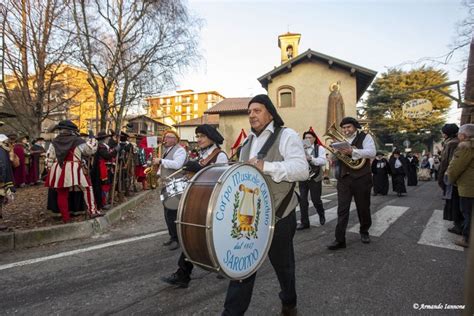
333	134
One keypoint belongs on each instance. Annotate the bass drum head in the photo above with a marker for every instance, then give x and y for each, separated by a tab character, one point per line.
242	221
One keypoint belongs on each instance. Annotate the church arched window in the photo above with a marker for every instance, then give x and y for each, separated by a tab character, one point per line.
286	97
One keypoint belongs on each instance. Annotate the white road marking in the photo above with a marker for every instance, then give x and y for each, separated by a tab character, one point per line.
78	251
327	195
436	233
330	214
382	220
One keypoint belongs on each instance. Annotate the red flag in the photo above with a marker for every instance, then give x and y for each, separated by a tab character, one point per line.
317	138
240	139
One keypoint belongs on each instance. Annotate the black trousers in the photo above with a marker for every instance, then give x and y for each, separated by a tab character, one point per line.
185	267
282	258
170	218
467	205
359	188
314	188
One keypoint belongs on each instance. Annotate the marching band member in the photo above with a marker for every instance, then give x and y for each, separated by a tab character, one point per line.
354	183
209	141
66	170
277	151
173	158
316	156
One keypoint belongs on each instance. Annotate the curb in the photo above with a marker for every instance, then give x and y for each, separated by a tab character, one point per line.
46	235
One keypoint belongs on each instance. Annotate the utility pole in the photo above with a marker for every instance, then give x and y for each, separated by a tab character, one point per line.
467	115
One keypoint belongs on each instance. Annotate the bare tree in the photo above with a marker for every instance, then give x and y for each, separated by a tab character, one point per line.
132	49
34	45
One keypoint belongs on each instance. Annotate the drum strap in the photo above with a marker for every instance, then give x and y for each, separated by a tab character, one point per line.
284	204
211	158
266	147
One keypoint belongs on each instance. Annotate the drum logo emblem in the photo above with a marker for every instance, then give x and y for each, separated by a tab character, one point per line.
246	214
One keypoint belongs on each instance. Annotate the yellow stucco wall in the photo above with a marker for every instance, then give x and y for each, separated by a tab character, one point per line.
311	82
230	127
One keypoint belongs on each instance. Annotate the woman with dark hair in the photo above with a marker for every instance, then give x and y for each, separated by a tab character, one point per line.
398	168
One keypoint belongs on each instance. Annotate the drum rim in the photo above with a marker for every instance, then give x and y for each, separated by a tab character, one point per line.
210	220
180	214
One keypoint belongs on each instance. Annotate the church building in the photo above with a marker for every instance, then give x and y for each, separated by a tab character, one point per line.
308	89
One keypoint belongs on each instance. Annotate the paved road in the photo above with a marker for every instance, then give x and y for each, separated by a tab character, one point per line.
411	260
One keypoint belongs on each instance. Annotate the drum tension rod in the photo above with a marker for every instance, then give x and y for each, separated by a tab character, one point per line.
191	224
203	265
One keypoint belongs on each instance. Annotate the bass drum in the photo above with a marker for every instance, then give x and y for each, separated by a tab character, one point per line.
225	220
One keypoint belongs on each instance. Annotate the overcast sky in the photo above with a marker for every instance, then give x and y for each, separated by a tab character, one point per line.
239	39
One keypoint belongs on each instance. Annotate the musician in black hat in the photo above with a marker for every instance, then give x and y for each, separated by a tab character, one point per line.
355	183
316	156
209	140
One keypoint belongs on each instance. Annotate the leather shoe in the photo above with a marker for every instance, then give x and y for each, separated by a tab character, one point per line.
288	310
462	242
301	226
337	245
181	281
168	242
365	238
455	230
173	246
322	219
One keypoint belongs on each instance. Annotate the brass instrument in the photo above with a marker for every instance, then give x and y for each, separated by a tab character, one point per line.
307	144
151	172
334	135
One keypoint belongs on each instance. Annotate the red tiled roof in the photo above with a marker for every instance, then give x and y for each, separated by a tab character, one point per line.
230	105
206	119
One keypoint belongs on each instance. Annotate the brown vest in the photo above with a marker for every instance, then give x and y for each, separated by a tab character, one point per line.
345	170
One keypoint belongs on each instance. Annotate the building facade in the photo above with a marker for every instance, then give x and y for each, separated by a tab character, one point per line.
181	106
302	89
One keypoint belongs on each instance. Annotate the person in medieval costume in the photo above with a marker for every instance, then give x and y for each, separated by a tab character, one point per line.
19	172
143	153
7	188
412	175
66	171
34	166
380	172
101	173
398	168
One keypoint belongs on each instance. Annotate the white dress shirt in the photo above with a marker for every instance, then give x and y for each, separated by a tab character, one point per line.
368	147
294	167
177	161
221	157
317	161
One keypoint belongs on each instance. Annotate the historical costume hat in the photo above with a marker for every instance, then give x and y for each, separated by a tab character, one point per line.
350	120
265	100
211	132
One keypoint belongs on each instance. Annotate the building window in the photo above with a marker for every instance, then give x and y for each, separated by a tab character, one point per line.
196	106
286	97
188	109
195	116
195	96
188	117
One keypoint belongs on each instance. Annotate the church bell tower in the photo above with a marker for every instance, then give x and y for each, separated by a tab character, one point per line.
288	44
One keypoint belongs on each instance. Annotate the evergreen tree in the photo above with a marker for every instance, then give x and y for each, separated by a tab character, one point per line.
383	107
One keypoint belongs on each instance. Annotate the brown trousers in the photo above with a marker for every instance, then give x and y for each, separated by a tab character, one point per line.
359	188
